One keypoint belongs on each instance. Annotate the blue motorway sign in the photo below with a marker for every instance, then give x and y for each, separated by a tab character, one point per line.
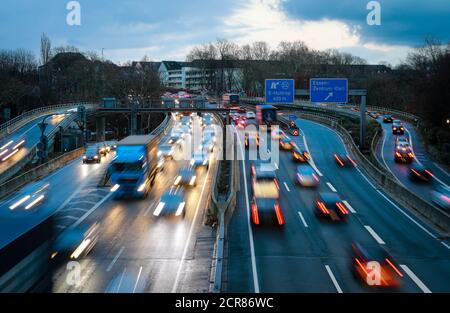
292	117
328	90
279	91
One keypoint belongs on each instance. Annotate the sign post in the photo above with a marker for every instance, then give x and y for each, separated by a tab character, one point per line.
279	91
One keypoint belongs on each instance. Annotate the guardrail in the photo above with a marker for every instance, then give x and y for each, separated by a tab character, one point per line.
401	194
17	122
11	171
38	172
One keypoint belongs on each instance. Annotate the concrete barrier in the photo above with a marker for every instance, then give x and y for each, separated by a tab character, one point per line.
38	172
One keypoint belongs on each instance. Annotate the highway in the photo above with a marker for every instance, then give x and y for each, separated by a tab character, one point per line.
31	133
139	252
311	255
385	154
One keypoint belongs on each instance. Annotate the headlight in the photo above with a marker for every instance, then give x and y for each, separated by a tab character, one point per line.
141	187
96	157
205	162
192	182
180	208
84	157
192	162
115	187
177	181
159	153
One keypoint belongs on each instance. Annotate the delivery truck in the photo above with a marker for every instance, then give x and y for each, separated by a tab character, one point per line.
133	170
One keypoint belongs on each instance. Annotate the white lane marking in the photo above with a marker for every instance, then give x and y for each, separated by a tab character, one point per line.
115	259
389	200
349	207
189	238
151	206
137	280
249	227
416	279
384	160
287	188
311	161
95	207
303	219
333	279
331	187
121	279
374	235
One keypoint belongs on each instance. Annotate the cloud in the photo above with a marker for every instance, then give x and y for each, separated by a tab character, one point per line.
266	20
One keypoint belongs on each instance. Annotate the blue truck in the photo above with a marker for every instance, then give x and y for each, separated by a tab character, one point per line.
133	170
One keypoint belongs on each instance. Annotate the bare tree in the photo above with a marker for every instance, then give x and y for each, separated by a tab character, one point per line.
46	49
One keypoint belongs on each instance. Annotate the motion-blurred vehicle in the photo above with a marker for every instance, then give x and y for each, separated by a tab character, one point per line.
200	159
264	180
10	148
419	172
397	127
103	148
343	160
387	119
306	176
207	144
286	143
186	130
401	140
266	115
374	266
293	129
374	115
207	120
75	243
251	140
174	139
112	145
186	177
441	196
329	204
186	121
35	196
92	155
251	115
266	210
171	202
299	155
403	153
133	170
165	151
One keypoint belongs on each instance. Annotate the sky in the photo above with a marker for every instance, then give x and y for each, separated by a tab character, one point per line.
167	30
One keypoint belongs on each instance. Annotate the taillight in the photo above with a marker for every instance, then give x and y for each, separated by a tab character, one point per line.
429	173
339	160
415	172
276	183
342	208
394	267
315	177
322	207
351	160
279	215
410	154
398	154
255	214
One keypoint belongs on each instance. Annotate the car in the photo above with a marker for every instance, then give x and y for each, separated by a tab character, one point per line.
266	210
286	143
75	242
419	172
200	159
293	129
299	155
92	155
306	176
264	180
186	177
207	144
186	121
171	202
102	148
186	130
401	140
207	121
374	266
403	153
165	151
250	115
251	140
329	204
32	197
112	145
387	119
397	127
441	197
343	160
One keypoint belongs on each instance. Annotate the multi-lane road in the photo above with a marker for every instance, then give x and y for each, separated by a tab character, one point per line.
311	255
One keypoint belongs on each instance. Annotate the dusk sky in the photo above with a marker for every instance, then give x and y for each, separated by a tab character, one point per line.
167	30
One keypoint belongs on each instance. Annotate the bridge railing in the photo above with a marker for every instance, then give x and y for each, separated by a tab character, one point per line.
19	121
